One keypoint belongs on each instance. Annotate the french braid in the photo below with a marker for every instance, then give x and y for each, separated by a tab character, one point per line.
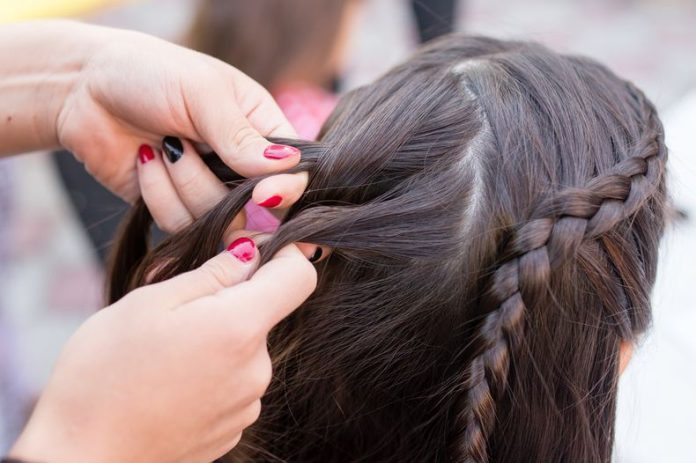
552	236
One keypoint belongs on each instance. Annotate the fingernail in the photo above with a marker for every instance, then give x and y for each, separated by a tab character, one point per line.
243	249
273	201
146	154
317	255
280	151
173	148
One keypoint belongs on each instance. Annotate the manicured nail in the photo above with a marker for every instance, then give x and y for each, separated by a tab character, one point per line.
280	151
173	148
273	201
243	249
146	154
317	255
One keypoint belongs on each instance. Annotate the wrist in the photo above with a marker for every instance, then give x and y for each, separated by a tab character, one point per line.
61	75
51	438
41	442
41	63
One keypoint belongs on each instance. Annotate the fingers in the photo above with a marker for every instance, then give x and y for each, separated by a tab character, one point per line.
198	188
272	293
262	111
258	237
177	186
251	413
236	129
280	191
233	266
158	191
228	435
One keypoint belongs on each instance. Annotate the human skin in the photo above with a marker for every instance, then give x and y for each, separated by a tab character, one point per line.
175	370
104	93
171	372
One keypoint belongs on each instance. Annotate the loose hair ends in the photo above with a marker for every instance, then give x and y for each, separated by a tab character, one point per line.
131	245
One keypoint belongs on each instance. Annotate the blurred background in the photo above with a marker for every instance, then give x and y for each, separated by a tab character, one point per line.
55	223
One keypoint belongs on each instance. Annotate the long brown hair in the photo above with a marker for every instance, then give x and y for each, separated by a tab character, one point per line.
494	210
271	40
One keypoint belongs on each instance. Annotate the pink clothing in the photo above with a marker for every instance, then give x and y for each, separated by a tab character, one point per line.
306	107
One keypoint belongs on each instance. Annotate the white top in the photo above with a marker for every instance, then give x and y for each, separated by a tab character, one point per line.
656	419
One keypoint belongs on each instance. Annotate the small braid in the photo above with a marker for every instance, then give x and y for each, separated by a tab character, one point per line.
552	236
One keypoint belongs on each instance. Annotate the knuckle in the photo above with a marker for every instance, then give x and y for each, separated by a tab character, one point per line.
245	337
261	375
252	413
187	181
218	274
233	442
244	137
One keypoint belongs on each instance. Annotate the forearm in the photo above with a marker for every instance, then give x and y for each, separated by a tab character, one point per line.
39	65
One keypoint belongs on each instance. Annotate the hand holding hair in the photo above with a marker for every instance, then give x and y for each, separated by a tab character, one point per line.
187	365
495	249
110	96
174	371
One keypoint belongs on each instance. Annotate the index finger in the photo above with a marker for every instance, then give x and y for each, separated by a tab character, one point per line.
233	116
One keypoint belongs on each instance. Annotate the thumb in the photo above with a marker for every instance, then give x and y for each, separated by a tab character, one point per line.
233	266
274	291
234	115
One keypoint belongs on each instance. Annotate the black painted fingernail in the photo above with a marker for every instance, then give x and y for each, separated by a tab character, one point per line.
173	148
317	255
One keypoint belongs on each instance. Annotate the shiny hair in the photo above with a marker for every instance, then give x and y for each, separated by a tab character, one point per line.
494	210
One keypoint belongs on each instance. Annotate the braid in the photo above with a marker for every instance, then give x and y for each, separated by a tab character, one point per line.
552	236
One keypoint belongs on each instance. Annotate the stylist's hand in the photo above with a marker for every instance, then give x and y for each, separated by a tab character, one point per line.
186	363
136	89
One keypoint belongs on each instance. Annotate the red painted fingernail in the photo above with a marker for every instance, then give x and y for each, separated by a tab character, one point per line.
243	249
145	154
280	151
273	201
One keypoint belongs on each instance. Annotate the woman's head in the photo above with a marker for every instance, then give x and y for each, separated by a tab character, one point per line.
275	41
494	211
